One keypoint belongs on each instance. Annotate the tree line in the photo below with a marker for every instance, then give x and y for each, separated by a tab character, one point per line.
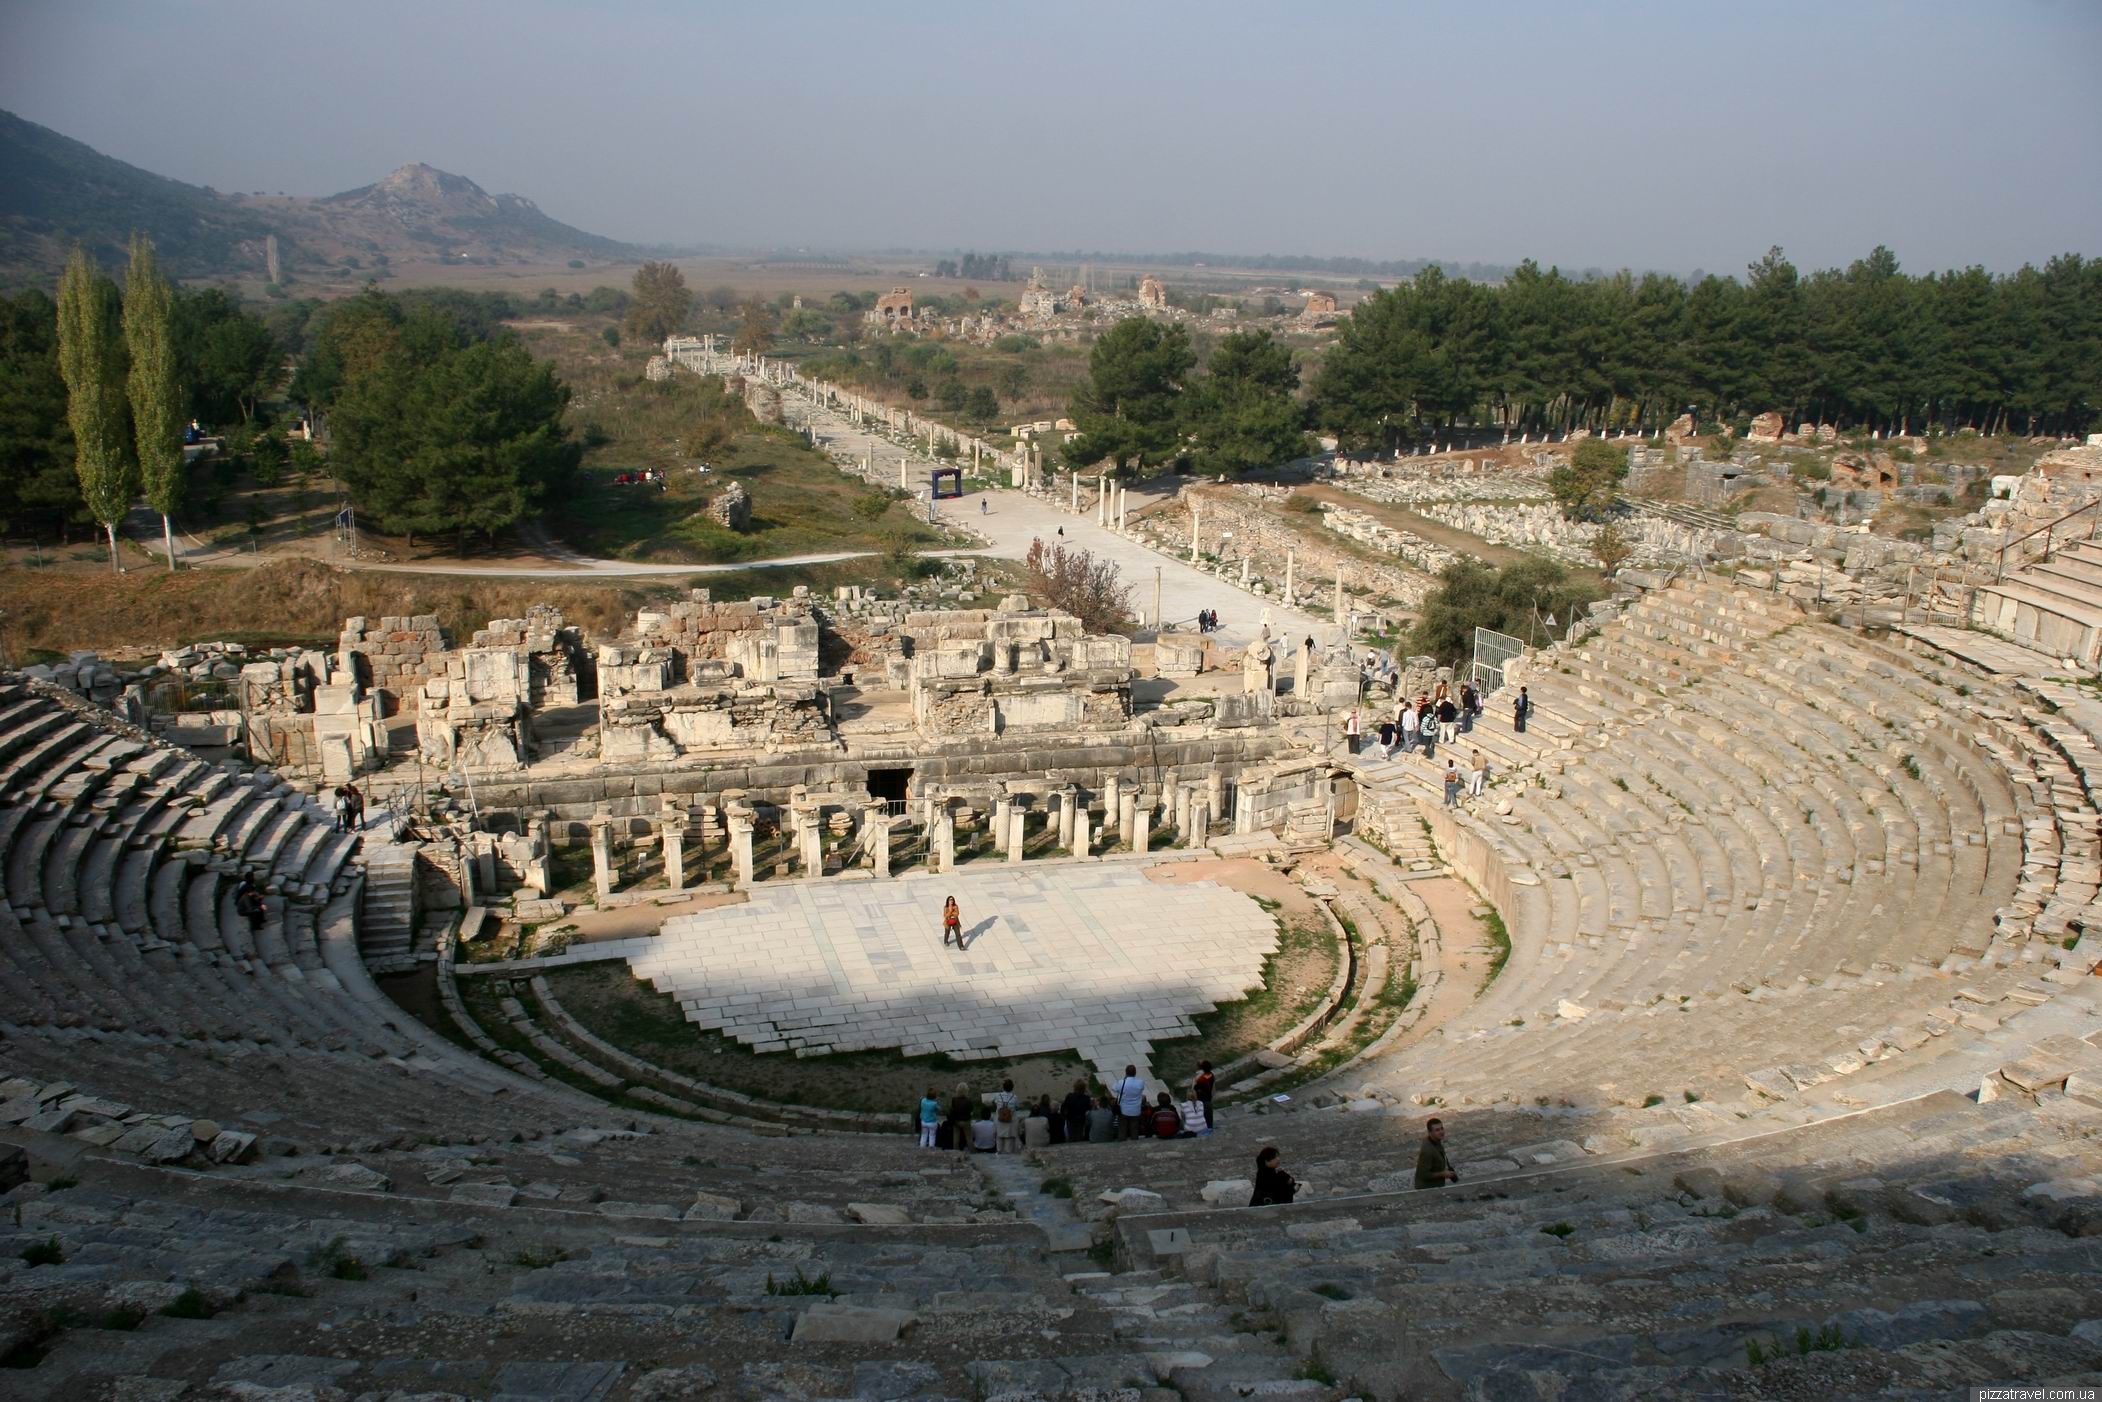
1143	402
982	267
1864	346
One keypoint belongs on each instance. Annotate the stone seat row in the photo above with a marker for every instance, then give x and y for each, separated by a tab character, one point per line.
1894	1235
89	839
1674	855
590	1306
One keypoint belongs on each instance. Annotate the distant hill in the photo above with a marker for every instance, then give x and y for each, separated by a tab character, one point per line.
55	191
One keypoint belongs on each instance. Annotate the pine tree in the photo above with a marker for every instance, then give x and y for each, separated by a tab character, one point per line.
91	357
156	396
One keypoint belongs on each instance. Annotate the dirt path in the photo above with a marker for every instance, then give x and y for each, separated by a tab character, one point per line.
1466	950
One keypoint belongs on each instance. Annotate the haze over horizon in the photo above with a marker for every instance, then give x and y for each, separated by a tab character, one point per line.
1648	135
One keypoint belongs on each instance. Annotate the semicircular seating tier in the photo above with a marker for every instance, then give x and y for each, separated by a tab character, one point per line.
1742	852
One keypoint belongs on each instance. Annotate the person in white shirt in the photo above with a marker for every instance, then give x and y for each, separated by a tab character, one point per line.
1131	1103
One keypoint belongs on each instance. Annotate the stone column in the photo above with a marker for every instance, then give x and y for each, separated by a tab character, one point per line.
1196	527
1339	597
877	825
602	856
739	820
540	874
1245	564
1080	833
1176	803
672	827
1141	827
1127	819
941	840
1200	828
1302	669
1075	506
1068	802
1019	817
1288	578
1003	809
810	839
1123	500
1215	794
1101	498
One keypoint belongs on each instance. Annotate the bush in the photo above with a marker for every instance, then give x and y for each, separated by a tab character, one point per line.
1471	595
44	1253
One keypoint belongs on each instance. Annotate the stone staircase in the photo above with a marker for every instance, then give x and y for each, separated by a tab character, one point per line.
2053	604
387	911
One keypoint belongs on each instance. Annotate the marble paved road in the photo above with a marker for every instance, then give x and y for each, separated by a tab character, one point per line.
1096	959
1011	520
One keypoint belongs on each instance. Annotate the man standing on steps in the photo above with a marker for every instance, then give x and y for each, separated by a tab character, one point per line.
1433	1168
1131	1102
1521	707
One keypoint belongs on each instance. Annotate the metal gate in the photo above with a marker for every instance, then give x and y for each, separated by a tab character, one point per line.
1492	652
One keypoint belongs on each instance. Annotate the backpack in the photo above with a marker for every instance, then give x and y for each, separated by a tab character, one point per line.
1007	1114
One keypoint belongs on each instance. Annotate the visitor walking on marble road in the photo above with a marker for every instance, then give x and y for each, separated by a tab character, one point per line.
952	923
1433	1168
930	1117
1131	1102
1273	1186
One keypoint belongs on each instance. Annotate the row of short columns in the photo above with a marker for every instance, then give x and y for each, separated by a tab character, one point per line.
1189	807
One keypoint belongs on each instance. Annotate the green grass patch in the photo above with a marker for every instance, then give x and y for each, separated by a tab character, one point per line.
800	502
44	1253
1499	944
800	1284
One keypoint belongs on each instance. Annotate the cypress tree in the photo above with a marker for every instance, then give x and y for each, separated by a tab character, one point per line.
156	397
91	357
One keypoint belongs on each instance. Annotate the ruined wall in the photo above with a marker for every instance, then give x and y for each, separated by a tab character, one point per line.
978	672
635	790
392	653
1263	535
558	667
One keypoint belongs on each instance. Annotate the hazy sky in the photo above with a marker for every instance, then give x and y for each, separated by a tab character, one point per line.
1673	135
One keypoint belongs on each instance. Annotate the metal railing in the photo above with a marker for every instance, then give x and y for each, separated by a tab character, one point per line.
2049	532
